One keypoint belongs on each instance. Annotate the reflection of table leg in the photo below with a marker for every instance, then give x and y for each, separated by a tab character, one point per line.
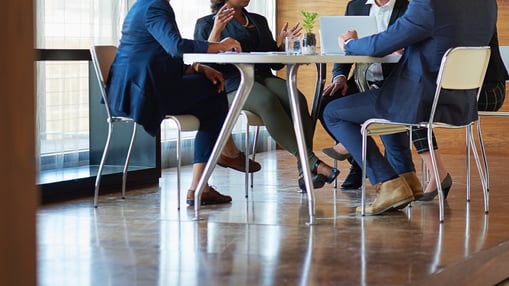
291	75
246	84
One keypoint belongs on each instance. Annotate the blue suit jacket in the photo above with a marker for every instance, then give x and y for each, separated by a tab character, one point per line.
426	31
359	8
258	39
148	63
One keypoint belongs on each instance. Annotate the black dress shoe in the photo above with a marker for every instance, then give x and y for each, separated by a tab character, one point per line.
446	186
319	180
354	179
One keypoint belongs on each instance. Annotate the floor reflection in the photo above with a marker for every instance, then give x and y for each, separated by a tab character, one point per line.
264	240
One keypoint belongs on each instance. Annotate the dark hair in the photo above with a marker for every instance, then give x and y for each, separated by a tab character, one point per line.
215	5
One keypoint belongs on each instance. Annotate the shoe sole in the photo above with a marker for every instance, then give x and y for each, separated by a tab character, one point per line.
190	203
240	170
397	205
335	155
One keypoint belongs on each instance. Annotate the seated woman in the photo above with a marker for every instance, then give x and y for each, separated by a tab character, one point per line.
148	80
269	96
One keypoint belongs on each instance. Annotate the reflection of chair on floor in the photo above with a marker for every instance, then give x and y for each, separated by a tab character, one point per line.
461	69
504	52
252	119
102	58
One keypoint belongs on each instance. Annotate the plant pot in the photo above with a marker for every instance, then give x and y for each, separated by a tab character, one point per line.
308	44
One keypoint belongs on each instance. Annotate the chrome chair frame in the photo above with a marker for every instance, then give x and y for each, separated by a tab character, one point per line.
252	119
462	68
504	53
102	58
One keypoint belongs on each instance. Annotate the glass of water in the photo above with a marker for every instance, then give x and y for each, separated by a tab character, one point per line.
292	46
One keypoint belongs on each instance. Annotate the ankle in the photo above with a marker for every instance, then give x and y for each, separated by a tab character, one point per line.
339	148
230	154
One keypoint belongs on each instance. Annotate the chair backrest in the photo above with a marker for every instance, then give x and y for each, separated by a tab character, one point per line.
102	58
504	53
462	68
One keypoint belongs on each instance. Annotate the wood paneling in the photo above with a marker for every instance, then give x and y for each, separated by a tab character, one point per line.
495	129
17	145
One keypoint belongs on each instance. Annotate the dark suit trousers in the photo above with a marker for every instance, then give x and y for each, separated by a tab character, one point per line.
196	95
343	118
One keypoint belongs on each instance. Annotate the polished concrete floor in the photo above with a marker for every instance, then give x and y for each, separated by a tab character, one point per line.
264	239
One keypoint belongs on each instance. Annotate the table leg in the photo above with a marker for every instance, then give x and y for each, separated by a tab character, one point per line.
321	69
291	75
246	84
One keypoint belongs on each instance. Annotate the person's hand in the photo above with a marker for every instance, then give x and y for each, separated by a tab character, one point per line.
293	32
348	35
223	16
338	84
399	52
230	45
214	76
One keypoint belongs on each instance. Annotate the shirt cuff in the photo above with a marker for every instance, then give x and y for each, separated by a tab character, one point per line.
338	76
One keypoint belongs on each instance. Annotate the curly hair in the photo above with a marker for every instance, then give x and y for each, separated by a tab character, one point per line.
215	5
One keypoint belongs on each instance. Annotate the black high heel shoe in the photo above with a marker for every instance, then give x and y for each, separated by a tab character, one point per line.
446	186
318	180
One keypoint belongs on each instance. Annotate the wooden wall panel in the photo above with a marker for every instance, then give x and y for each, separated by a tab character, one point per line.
495	130
17	145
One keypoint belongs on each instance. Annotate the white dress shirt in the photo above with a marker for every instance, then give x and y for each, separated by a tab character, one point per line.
382	15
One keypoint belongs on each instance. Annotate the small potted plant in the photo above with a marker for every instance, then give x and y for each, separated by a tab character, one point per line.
309	38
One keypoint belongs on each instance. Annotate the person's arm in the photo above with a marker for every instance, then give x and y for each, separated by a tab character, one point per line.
415	25
160	22
222	17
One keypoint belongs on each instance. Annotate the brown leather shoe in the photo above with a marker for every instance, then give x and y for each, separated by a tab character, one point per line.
393	194
238	163
209	197
414	184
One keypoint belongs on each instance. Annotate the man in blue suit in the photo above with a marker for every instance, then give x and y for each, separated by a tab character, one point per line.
386	13
426	30
148	80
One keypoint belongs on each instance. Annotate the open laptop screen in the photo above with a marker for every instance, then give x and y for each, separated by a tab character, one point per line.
331	27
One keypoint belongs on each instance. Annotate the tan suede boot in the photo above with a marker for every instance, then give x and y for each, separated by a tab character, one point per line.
414	184
393	194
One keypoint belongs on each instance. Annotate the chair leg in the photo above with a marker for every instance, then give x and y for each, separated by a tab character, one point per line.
467	140
437	178
255	143
364	156
246	150
481	170
484	157
101	164
335	188
179	160
128	157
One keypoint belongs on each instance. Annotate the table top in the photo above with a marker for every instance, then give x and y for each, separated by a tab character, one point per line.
283	58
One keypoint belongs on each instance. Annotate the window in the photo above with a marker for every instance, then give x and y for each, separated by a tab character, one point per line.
62	87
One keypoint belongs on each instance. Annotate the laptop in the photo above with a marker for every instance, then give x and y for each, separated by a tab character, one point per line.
331	27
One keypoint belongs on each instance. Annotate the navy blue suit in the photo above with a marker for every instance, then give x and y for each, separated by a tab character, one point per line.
426	30
147	79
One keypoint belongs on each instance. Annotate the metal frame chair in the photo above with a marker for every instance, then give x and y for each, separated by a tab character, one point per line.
102	58
252	119
462	68
504	53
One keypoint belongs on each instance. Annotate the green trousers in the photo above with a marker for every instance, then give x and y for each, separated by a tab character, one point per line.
269	100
